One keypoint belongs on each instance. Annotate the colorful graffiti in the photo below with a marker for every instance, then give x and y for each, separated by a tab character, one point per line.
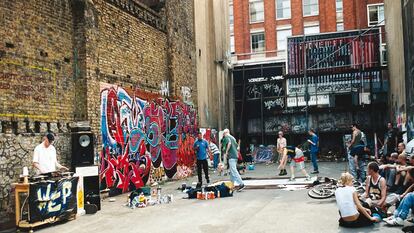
139	132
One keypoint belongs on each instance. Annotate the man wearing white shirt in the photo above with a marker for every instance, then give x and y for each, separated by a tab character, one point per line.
44	157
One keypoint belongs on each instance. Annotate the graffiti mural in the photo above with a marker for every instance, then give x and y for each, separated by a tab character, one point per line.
142	130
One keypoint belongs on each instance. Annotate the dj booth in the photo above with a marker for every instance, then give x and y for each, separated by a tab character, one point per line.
46	199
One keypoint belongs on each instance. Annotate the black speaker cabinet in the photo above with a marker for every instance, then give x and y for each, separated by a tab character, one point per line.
92	193
82	149
91	186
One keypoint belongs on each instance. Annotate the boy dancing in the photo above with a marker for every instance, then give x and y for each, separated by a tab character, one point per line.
295	158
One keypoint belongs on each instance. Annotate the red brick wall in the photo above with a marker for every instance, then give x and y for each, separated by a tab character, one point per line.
355	16
270	27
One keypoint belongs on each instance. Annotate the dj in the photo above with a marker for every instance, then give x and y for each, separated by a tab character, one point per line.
44	157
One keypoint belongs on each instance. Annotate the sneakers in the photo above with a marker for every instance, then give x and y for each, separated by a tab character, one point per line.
408	222
292	179
241	187
283	172
395	221
315	172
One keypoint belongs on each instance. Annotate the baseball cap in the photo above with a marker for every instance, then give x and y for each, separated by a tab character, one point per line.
50	137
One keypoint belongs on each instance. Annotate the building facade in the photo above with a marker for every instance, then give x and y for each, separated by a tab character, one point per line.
266	96
213	82
399	15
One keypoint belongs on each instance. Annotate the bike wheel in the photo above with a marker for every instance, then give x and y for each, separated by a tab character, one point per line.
322	192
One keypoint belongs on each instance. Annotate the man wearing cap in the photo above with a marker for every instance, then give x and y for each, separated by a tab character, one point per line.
44	157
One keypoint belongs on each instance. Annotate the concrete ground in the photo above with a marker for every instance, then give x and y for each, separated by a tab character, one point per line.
259	210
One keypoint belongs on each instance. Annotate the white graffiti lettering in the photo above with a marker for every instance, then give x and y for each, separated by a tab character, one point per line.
52	202
269	104
165	88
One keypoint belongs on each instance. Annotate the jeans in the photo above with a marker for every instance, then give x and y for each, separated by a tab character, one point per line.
359	175
314	157
234	174
406	204
202	165
216	160
389	175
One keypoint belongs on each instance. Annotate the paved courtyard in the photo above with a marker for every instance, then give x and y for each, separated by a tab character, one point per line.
258	210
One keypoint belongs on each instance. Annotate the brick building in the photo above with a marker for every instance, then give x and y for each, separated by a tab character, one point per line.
61	59
262	84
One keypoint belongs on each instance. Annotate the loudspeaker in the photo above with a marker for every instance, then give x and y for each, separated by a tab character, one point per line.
91	186
82	149
92	192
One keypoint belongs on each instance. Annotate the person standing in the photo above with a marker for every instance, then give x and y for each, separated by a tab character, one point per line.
280	147
44	156
356	140
230	145
391	140
297	159
216	154
314	149
201	148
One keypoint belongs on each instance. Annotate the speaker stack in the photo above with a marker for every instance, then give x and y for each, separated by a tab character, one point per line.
83	163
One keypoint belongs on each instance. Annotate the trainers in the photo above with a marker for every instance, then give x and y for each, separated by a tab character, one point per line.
315	172
241	187
281	173
395	222
284	172
408	223
292	179
388	219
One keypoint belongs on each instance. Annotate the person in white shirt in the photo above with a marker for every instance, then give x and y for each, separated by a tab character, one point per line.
44	157
352	213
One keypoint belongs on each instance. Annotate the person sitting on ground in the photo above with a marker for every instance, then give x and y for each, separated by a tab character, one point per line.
376	187
399	218
297	159
388	171
401	169
397	173
352	213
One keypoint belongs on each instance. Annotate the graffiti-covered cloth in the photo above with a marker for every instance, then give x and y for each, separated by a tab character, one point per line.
52	199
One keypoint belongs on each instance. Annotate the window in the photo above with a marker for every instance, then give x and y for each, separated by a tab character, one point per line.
258	42
282	35
310	7
339	27
232	48
384	59
283	9
375	15
313	29
339	11
256	11
231	18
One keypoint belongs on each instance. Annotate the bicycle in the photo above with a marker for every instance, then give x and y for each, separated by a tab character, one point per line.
328	188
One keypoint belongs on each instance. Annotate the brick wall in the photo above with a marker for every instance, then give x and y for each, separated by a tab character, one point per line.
55	53
36	78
